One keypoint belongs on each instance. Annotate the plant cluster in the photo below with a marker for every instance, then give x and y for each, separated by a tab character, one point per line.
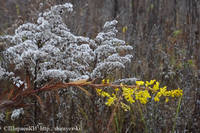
49	75
48	50
142	92
45	51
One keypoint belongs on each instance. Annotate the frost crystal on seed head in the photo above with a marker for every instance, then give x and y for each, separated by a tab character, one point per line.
60	9
16	113
108	51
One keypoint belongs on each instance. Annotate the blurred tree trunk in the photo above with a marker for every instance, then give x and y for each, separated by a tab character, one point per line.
135	5
115	10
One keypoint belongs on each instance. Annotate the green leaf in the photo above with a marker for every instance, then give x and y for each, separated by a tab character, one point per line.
191	62
152	6
177	32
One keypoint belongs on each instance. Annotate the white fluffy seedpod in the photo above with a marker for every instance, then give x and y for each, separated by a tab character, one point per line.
49	50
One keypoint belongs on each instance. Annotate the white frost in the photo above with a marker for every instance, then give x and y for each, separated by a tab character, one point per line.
48	50
16	113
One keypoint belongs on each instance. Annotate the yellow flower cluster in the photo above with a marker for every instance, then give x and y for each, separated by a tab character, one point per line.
128	94
142	92
139	83
142	96
111	98
105	81
133	94
172	93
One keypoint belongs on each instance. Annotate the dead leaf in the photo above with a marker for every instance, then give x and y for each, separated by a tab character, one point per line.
10	94
57	97
87	93
81	81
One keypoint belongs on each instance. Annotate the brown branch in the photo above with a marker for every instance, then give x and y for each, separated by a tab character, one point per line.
52	86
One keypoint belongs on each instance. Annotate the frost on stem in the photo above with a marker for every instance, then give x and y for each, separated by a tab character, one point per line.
2	72
126	81
2	117
47	49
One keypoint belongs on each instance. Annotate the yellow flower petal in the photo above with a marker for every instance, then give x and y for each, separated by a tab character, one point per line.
139	83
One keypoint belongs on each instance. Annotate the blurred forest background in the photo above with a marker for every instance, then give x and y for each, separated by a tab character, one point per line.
165	35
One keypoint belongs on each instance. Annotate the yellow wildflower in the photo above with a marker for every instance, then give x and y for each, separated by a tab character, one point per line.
125	107
156	86
133	94
98	91
156	99
108	81
105	94
168	93
142	96
176	93
149	83
163	91
139	83
102	93
167	99
116	89
158	95
111	100
124	29
127	93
